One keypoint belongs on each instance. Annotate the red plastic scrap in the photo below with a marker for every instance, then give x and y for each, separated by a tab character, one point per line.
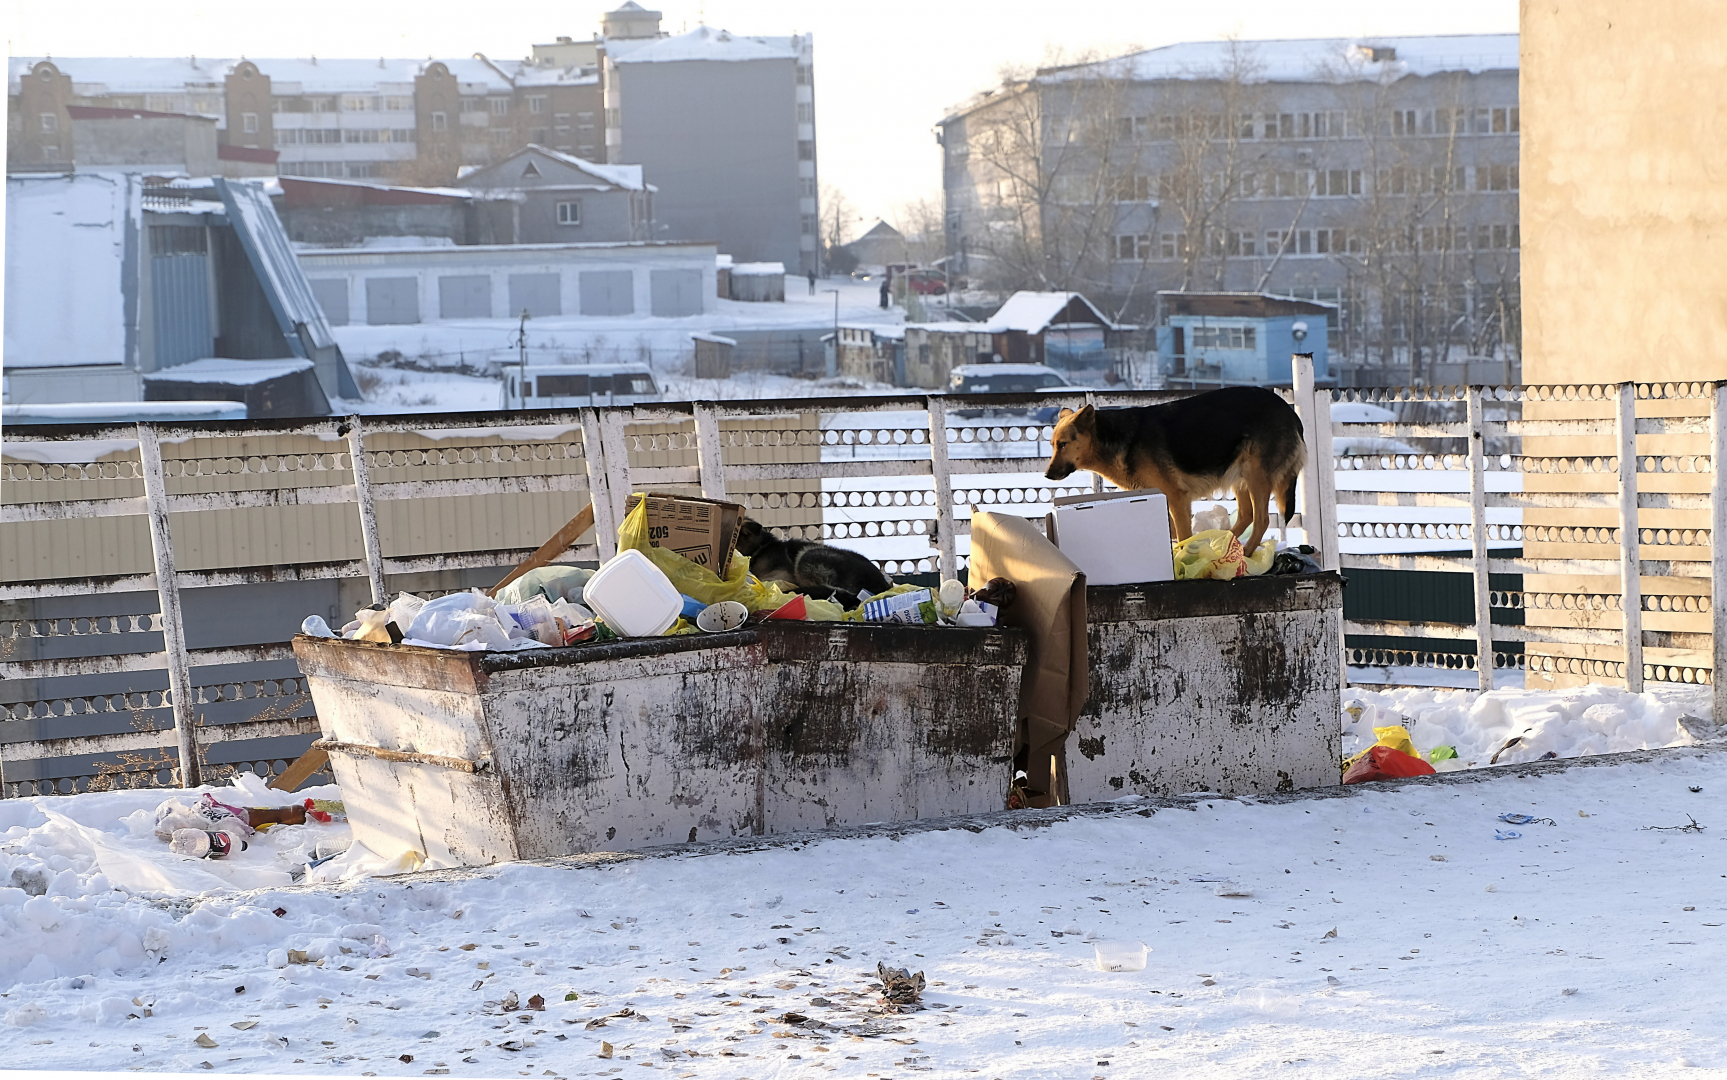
1384	763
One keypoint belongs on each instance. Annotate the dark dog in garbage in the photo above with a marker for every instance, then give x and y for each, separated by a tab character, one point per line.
812	568
1243	438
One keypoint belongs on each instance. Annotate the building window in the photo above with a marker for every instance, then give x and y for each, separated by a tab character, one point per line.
500	106
50	122
249	123
1172	246
473	105
399	104
806	113
1496	177
358	103
570	213
614	117
1222	337
1243	244
1505	121
803	75
807	225
500	138
439	122
806	150
51	152
1337	183
1132	248
537	103
1136	188
402	135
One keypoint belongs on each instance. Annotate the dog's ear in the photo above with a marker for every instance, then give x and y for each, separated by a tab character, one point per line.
1063	414
1085	419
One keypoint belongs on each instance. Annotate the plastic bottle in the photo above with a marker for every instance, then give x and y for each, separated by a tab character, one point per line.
952	596
200	844
315	626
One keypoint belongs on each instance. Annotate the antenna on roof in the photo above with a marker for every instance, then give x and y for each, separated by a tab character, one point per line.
314	59
380	61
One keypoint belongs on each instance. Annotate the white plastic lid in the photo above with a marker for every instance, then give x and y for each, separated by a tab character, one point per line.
633	596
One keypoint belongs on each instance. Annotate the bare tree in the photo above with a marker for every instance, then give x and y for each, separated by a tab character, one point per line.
838	217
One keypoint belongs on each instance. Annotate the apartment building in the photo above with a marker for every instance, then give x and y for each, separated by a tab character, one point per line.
725	124
1378	175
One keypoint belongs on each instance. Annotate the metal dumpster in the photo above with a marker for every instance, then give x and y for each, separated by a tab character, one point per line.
1226	686
474	758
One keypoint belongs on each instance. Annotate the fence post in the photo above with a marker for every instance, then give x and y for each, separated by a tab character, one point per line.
1312	517
708	453
1096	478
944	517
599	487
1331	554
1717	552
1630	560
618	482
368	509
1478	540
168	591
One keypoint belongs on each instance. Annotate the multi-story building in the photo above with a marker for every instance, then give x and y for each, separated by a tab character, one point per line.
414	121
1379	175
724	123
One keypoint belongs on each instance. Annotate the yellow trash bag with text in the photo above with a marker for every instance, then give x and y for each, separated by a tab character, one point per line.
1216	553
698	582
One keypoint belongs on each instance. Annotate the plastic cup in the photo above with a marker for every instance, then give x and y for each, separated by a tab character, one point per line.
1120	955
723	616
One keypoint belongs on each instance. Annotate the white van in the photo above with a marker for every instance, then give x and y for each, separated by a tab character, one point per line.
569	386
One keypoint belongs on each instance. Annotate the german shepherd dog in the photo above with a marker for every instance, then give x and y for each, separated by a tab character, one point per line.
810	567
1245	438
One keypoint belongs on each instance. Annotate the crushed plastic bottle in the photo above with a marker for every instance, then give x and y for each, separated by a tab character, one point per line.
315	626
200	844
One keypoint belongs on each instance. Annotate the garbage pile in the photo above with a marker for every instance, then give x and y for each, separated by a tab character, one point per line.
649	590
207	828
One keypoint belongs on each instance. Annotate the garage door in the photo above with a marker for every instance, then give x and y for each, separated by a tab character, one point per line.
392	301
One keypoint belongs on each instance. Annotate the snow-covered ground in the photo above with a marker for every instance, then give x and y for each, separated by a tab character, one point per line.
1399	931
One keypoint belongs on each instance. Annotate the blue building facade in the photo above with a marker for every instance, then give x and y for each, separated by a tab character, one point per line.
1239	338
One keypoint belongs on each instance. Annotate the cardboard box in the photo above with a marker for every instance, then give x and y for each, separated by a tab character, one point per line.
1118	539
704	531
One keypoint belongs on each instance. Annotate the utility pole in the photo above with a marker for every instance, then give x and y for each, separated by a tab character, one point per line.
521	344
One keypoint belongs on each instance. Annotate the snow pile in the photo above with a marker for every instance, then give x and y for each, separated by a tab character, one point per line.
73	869
1559	723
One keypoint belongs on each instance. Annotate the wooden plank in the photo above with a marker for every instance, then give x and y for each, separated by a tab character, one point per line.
1630	563
296	774
551	549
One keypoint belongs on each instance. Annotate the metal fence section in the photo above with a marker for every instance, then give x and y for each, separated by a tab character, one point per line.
1584	516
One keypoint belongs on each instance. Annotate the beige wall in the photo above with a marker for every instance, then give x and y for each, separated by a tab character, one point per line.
1624	167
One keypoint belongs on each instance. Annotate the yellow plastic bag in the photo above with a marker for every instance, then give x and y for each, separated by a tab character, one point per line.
698	582
1396	737
1216	553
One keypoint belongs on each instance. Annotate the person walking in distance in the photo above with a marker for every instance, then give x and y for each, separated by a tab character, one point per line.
884	292
812	277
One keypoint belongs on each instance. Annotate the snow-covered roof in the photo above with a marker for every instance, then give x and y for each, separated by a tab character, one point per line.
160	75
230	372
628	177
758	269
1033	312
702	43
118	412
723	260
715	338
1300	59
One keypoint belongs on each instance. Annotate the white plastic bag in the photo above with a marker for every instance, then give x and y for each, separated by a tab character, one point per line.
464	620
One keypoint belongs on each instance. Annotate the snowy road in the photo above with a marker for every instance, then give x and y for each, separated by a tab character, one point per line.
1588	947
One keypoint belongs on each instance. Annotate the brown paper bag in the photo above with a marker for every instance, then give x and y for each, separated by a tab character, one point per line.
1051	606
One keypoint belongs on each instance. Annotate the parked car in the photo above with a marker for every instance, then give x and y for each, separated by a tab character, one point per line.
566	386
926	282
1007	379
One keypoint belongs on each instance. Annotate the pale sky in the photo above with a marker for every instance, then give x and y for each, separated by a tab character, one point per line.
885	72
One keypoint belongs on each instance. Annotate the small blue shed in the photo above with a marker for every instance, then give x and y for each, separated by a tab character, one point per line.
1240	338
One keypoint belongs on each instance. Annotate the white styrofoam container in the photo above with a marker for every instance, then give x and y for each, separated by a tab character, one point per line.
1118	539
633	596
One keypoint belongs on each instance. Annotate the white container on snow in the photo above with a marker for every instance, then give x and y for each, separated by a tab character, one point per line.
633	596
1120	955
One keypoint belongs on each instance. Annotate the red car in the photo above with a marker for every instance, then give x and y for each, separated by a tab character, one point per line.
926	282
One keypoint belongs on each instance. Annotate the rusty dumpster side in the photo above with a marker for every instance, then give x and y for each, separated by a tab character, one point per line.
482	757
1226	686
